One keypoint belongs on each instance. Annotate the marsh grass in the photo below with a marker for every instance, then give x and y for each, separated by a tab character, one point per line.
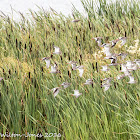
27	103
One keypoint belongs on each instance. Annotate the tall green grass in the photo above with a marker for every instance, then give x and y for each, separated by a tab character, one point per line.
26	100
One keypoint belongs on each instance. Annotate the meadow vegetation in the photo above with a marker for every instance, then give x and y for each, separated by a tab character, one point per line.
26	100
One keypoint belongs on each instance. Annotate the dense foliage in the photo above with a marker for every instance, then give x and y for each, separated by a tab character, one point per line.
26	100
